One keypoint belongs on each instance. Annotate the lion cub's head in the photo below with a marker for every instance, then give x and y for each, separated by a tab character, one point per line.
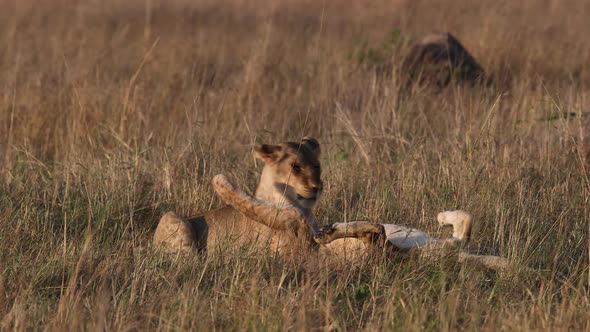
292	172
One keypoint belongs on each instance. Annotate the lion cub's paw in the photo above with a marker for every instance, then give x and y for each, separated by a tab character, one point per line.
220	182
322	235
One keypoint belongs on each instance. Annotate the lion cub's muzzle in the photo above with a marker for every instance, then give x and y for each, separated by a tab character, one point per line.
311	194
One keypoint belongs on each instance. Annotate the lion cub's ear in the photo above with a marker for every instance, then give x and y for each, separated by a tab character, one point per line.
312	144
267	152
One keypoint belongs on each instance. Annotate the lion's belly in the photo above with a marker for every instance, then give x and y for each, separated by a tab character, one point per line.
405	238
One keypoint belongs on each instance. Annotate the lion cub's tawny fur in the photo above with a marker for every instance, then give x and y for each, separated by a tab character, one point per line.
290	177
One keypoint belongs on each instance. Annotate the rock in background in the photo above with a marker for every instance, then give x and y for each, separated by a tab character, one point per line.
438	60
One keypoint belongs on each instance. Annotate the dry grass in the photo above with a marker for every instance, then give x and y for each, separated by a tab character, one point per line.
113	112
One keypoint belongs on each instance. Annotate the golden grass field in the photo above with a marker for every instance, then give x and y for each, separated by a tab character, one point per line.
114	112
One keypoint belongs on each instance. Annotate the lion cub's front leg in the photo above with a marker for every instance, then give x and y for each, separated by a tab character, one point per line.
174	234
273	215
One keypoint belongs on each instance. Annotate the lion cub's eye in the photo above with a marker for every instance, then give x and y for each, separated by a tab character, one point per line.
296	168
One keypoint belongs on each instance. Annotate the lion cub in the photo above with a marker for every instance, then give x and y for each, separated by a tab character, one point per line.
351	241
290	178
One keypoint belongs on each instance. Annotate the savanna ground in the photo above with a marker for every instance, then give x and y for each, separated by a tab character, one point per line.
114	112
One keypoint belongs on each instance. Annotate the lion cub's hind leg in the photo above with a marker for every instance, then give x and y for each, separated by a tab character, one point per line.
174	234
462	223
355	229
